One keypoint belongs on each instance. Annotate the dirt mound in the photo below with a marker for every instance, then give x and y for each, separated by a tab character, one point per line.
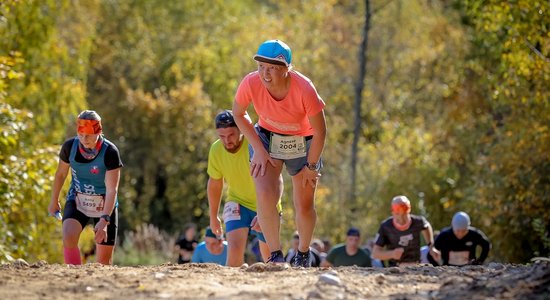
199	281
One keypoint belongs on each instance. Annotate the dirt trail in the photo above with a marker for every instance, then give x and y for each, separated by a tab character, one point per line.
259	281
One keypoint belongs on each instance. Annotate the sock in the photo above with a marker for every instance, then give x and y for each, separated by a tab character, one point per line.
303	253
72	256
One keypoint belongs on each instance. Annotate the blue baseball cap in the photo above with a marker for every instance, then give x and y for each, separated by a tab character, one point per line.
210	233
274	52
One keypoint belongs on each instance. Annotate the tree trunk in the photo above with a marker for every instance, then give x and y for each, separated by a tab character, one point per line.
359	86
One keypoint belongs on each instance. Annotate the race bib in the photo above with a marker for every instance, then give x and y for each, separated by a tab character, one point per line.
459	258
231	212
287	147
90	205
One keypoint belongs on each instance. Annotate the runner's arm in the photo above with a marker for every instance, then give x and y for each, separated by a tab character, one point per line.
379	253
214	192
428	235
112	178
319	126
261	157
485	247
59	179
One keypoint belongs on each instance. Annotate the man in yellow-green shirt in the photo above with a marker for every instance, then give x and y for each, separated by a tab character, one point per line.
229	161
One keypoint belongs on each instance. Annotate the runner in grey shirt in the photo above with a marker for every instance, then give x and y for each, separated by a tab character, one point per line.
398	239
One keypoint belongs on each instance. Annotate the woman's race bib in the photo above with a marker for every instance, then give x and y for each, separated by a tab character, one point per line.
90	205
287	147
459	258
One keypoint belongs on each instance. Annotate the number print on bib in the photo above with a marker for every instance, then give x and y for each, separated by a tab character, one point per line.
287	147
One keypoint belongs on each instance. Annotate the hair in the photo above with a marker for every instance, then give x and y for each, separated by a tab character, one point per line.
89	115
188	226
401	199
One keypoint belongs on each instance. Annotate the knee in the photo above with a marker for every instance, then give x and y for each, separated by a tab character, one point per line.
305	208
268	194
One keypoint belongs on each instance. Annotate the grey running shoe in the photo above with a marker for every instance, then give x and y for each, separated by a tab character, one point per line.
301	260
276	257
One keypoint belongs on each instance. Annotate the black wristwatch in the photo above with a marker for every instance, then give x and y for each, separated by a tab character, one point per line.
313	166
106	218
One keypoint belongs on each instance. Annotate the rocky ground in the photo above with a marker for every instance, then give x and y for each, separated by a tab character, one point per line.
41	280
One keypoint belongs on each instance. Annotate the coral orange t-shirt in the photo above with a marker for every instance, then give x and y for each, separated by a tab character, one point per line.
288	116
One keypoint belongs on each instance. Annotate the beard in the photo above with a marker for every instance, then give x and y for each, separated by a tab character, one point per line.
231	147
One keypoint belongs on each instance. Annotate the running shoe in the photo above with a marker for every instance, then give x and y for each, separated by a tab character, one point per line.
301	260
276	257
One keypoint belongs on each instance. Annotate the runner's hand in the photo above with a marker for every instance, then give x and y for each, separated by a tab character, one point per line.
397	253
309	177
258	165
436	254
216	226
255	225
53	208
100	230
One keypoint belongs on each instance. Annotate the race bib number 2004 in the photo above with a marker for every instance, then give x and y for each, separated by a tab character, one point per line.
287	147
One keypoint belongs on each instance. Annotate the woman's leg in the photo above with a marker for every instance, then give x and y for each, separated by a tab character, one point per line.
269	189
71	234
304	205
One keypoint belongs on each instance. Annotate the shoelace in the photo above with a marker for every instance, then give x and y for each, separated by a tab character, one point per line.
273	256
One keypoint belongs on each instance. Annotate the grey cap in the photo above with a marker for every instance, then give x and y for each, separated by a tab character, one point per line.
461	220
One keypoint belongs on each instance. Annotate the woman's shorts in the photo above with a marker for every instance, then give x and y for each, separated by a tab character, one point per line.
71	212
293	166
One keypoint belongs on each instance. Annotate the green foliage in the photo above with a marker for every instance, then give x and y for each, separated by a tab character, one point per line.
456	110
52	37
25	174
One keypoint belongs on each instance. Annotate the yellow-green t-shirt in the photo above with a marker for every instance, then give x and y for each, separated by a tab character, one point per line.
234	168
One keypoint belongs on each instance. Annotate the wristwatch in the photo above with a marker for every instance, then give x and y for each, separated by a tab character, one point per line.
106	218
312	166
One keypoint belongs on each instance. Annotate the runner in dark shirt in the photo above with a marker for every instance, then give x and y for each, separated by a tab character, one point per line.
457	244
94	163
186	243
400	235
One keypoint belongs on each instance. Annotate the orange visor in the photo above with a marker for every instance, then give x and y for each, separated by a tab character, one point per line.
88	126
400	208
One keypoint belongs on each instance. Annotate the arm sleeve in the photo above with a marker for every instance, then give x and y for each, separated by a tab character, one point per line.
213	169
65	152
380	238
244	96
313	102
331	255
485	247
112	158
425	223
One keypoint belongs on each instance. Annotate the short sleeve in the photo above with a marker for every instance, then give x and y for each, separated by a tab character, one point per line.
243	96
65	152
213	169
313	102
425	223
331	255
112	158
381	238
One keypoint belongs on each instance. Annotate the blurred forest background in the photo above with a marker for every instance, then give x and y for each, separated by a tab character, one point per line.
455	111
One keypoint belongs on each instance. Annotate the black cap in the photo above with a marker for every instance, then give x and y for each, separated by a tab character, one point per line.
225	119
353	232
